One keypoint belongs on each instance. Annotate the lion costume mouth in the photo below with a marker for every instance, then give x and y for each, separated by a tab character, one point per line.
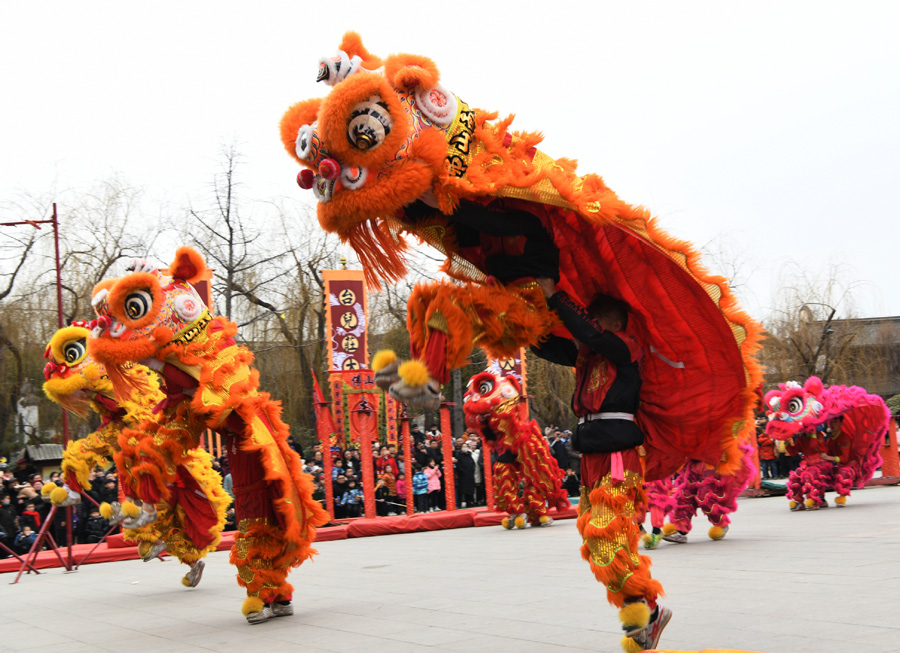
782	430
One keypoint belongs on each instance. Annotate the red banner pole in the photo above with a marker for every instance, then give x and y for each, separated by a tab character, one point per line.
327	465
447	447
407	462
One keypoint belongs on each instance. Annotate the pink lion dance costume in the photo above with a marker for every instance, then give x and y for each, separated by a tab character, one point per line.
848	458
660	503
699	486
494	408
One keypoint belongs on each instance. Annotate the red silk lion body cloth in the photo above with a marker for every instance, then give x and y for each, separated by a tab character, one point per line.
209	383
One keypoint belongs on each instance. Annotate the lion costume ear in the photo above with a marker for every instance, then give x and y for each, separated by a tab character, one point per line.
352	44
188	265
305	112
813	385
106	284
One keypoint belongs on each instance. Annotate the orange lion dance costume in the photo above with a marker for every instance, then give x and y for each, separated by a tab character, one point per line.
391	151
494	408
188	524
159	320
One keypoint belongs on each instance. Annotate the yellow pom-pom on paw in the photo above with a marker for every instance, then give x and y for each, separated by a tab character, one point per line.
792	504
251	604
106	510
382	359
543	519
58	495
635	615
519	522
646	538
413	373
131	510
668	529
48	488
506	523
716	533
809	503
629	645
840	500
187	583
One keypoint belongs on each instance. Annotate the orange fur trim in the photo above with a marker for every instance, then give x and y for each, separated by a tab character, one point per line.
405	71
352	44
297	115
106	284
188	265
127	285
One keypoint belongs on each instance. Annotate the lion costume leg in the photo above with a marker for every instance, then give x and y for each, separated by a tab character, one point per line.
610	539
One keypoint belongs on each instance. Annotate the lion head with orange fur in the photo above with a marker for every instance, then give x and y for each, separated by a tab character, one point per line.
143	315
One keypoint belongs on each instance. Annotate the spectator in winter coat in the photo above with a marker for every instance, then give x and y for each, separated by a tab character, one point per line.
571	483
434	486
25	539
768	466
400	493
558	450
465	476
96	527
420	490
382	498
30	517
352	500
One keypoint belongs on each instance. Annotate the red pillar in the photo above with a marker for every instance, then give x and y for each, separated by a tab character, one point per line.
486	451
891	461
368	473
447	447
327	464
407	462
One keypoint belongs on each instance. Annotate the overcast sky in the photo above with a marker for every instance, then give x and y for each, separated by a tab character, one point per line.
768	130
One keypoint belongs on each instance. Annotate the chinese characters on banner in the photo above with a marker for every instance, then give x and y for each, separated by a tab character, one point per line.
511	367
345	297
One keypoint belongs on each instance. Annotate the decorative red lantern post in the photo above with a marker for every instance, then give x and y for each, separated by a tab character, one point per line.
447	447
363	423
407	459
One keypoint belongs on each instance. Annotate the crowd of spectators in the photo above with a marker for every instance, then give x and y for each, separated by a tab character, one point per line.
775	460
23	511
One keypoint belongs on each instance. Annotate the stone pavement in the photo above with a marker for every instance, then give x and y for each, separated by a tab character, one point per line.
823	582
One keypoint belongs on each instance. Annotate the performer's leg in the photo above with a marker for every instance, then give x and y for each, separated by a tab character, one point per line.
685	505
844	478
610	544
815	480
795	490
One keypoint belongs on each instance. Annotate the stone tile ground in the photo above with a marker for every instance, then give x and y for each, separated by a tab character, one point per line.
781	582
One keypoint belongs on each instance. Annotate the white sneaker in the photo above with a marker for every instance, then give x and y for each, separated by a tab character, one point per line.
282	609
679	538
263	615
153	551
140	521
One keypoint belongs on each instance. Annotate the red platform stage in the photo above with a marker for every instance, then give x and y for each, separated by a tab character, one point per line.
116	548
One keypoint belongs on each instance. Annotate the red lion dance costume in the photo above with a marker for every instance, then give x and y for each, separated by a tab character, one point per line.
159	320
848	458
189	522
495	408
390	151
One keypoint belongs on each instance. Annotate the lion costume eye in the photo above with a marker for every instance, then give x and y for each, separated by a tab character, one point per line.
485	387
370	123
75	351
795	405
138	304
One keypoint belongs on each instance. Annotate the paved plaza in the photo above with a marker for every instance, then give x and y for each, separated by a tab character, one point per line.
823	582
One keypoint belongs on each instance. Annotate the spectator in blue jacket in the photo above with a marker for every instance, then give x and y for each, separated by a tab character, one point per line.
352	500
420	489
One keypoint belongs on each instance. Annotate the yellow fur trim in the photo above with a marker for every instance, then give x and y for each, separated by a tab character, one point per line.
809	503
131	510
520	522
505	523
252	604
106	510
382	359
792	504
58	495
187	583
63	337
840	500
668	529
646	538
413	373
47	489
543	519
635	615
716	533
629	645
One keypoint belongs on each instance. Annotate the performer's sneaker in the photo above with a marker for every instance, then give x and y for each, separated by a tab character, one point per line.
545	521
648	638
796	507
263	615
678	538
150	551
192	578
282	609
652	540
117	516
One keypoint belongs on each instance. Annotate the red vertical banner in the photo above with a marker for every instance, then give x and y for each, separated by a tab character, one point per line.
325	431
364	425
390	420
346	317
447	447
